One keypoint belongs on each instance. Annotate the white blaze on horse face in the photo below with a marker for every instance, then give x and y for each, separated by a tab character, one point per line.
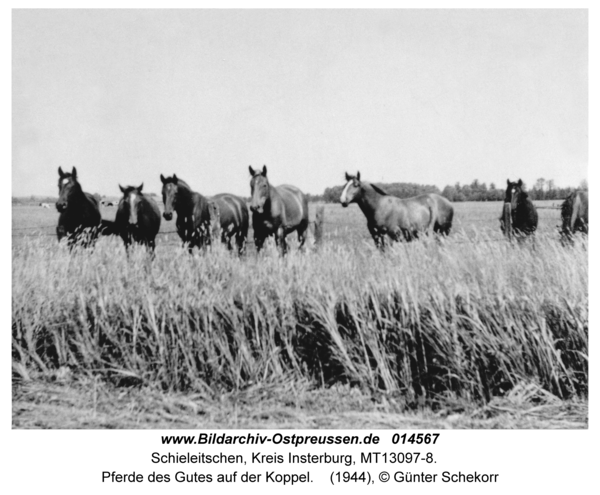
65	181
344	196
132	209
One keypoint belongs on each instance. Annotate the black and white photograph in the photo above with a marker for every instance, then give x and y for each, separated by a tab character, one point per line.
299	219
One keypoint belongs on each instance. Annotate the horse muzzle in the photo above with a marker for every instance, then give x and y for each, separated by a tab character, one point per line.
344	203
61	207
168	215
256	209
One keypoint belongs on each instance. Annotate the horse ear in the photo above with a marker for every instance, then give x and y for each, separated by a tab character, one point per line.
122	188
251	170
264	171
348	177
357	175
141	187
162	179
175	179
60	172
520	182
507	182
74	173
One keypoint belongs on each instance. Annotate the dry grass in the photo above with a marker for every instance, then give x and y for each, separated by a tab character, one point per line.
465	321
66	402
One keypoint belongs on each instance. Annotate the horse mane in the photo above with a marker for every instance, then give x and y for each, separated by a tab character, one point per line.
128	189
379	190
179	181
183	183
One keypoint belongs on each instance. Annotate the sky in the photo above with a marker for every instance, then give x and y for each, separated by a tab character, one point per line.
425	96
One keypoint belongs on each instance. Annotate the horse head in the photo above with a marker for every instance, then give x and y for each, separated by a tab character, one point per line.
169	194
351	189
130	201
259	188
513	191
67	184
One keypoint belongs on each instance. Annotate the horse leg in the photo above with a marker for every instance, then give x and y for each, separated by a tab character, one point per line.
258	242
60	232
377	238
379	241
240	240
280	241
228	240
301	238
204	244
151	246
396	234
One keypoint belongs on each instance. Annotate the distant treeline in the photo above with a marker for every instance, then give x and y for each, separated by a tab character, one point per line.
476	191
36	200
33	200
480	191
400	189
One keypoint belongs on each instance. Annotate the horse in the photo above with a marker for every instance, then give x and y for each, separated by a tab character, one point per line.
519	215
138	218
574	214
80	220
276	211
398	219
45	205
197	215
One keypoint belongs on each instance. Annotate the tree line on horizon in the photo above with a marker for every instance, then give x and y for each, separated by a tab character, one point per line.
476	191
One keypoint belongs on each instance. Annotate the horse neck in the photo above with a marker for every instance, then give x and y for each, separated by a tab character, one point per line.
77	196
185	201
369	201
273	197
521	201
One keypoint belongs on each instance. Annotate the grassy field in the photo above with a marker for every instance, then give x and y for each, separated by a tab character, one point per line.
428	326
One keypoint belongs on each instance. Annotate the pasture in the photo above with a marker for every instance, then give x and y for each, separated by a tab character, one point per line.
471	324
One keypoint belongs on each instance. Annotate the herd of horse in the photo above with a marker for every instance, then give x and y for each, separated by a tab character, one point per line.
278	211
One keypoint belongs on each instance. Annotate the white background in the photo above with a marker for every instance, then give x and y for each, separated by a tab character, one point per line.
527	461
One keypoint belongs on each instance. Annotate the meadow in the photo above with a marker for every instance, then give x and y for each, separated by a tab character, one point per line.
432	325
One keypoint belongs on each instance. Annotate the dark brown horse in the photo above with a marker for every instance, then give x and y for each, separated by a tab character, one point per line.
519	215
276	211
574	214
138	218
196	217
80	220
394	217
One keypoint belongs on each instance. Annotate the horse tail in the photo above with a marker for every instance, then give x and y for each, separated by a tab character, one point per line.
566	213
433	214
449	219
319	217
506	220
583	211
214	216
445	215
245	219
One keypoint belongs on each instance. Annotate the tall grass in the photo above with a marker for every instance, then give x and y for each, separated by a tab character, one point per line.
462	318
